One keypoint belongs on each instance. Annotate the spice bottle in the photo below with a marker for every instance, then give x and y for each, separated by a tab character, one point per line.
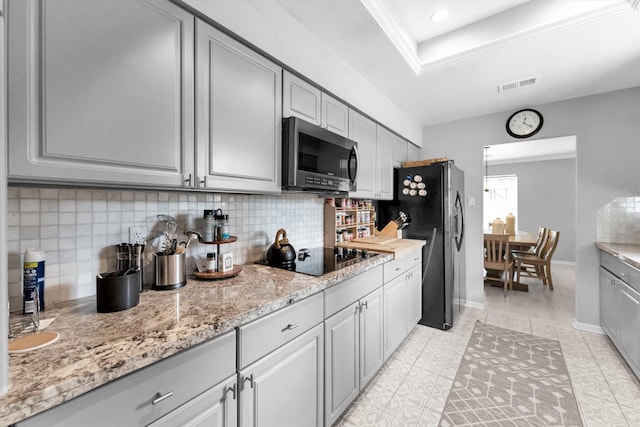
211	262
209	226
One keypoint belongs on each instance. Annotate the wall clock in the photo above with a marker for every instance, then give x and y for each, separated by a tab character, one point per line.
524	123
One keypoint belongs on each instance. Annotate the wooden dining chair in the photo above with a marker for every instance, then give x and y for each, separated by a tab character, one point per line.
497	260
538	265
536	249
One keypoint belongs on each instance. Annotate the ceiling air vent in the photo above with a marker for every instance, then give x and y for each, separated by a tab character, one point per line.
503	87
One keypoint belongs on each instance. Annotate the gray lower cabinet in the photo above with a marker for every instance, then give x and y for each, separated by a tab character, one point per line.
216	407
239	115
620	307
194	385
285	388
414	295
395	314
609	311
353	352
402	299
100	92
353	338
281	367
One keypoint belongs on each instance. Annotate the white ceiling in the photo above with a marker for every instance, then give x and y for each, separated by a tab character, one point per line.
443	72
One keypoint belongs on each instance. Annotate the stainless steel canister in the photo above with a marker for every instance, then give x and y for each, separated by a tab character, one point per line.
170	271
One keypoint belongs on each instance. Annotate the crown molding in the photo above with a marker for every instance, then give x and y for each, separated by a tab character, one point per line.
408	47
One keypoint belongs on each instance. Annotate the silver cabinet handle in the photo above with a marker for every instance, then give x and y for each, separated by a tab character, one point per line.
204	181
188	181
232	390
250	379
160	397
365	304
290	327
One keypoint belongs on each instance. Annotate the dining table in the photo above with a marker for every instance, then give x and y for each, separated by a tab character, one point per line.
521	240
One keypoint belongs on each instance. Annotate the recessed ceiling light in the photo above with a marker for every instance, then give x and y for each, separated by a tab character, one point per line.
440	15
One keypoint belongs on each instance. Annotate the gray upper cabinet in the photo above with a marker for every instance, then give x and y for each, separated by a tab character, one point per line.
101	92
400	151
384	160
363	131
413	152
239	116
303	100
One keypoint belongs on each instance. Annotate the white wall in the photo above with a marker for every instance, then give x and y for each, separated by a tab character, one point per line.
607	129
264	24
547	197
4	327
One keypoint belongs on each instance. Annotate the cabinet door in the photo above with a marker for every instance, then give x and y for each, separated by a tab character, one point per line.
216	407
335	116
414	296
239	110
92	100
413	152
371	336
363	131
609	311
342	361
285	388
301	99
395	314
400	151
384	164
629	327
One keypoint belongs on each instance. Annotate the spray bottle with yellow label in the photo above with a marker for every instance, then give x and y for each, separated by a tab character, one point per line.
33	279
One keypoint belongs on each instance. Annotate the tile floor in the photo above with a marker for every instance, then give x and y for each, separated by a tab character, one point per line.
411	389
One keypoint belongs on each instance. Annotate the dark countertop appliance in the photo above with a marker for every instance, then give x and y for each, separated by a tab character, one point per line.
317	160
321	261
433	197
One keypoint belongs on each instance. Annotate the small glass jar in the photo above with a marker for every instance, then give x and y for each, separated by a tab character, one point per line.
211	262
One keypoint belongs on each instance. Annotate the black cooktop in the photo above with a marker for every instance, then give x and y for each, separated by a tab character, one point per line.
320	261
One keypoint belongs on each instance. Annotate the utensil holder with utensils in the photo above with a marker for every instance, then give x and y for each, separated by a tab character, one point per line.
170	271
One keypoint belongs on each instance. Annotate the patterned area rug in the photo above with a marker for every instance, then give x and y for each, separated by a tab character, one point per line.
508	378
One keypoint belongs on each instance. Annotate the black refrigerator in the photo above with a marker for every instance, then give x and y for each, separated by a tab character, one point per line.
433	198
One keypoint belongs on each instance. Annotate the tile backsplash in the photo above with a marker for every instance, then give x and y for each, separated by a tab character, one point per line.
78	228
619	221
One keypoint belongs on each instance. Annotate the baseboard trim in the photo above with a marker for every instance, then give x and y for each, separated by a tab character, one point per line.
564	262
473	304
588	327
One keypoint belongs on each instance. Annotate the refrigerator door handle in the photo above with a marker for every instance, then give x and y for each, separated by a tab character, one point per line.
459	216
426	264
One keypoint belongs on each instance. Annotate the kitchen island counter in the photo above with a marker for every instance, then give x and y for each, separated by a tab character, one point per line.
96	348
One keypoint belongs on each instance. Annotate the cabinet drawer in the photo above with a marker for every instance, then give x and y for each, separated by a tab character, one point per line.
129	400
398	266
264	335
622	270
341	295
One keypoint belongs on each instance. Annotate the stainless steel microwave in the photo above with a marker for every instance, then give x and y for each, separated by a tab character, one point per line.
317	160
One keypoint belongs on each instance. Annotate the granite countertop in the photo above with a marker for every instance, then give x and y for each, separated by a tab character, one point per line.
95	348
627	253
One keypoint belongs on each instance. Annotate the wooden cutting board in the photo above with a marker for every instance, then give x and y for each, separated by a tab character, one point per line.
33	342
381	240
397	247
